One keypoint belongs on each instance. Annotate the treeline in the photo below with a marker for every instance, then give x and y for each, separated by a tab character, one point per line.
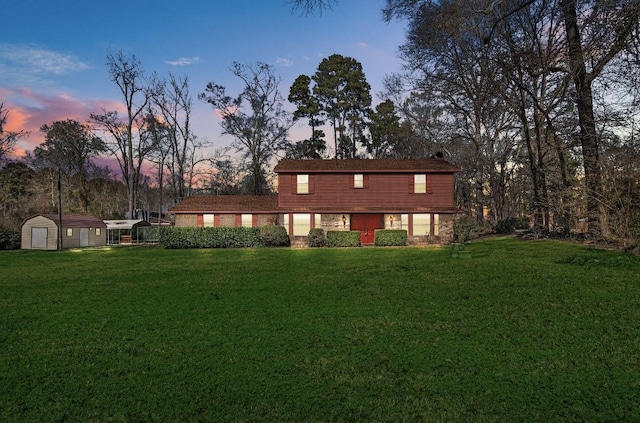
536	100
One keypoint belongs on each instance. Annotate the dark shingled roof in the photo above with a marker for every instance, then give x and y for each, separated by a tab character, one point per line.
75	221
227	203
366	165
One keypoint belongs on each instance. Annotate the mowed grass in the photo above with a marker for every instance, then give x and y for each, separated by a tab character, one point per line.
522	331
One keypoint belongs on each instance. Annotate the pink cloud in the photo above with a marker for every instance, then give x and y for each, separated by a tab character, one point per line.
29	110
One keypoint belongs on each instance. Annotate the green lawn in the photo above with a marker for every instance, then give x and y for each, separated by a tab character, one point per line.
521	331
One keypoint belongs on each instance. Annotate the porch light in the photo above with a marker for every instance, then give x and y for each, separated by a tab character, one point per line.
344	221
391	221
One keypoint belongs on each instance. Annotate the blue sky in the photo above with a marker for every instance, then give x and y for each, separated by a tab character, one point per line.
52	54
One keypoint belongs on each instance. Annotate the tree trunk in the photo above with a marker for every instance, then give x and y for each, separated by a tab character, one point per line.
596	213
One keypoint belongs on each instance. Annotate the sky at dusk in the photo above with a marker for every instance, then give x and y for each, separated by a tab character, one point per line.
52	54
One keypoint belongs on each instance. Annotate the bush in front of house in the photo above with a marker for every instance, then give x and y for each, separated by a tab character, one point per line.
390	237
9	239
274	236
240	237
317	238
343	238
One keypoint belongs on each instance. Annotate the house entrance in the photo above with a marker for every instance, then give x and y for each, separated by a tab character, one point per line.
367	224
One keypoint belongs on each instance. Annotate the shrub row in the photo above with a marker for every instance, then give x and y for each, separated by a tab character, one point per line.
317	238
188	237
268	236
343	238
390	237
274	236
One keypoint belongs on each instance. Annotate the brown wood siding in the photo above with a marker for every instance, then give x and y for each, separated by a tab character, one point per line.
388	190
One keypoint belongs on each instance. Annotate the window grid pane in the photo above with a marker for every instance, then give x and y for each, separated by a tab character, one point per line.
303	184
421	224
420	184
301	224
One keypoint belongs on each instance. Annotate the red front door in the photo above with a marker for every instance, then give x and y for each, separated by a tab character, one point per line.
367	224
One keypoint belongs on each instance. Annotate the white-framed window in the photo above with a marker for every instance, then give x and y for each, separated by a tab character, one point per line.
421	224
436	225
207	220
404	219
69	231
285	221
318	221
420	183
301	224
247	220
358	180
302	186
97	231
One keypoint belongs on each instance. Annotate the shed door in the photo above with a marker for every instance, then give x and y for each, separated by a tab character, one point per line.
84	237
39	238
366	224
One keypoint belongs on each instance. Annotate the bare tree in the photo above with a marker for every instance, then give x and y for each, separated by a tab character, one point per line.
175	105
255	118
129	147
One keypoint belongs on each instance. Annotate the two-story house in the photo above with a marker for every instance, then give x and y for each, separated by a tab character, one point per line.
359	195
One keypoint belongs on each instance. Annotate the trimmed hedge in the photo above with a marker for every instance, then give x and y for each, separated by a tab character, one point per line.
240	237
274	236
317	238
390	237
343	238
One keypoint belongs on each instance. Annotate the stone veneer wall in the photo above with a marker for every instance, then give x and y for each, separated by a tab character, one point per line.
186	220
333	222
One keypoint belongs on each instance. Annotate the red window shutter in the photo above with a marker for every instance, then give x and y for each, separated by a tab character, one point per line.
254	220
365	181
294	184
429	181
216	220
412	184
238	220
200	221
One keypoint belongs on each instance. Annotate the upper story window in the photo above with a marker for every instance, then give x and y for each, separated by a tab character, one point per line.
302	184
69	231
420	184
358	180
